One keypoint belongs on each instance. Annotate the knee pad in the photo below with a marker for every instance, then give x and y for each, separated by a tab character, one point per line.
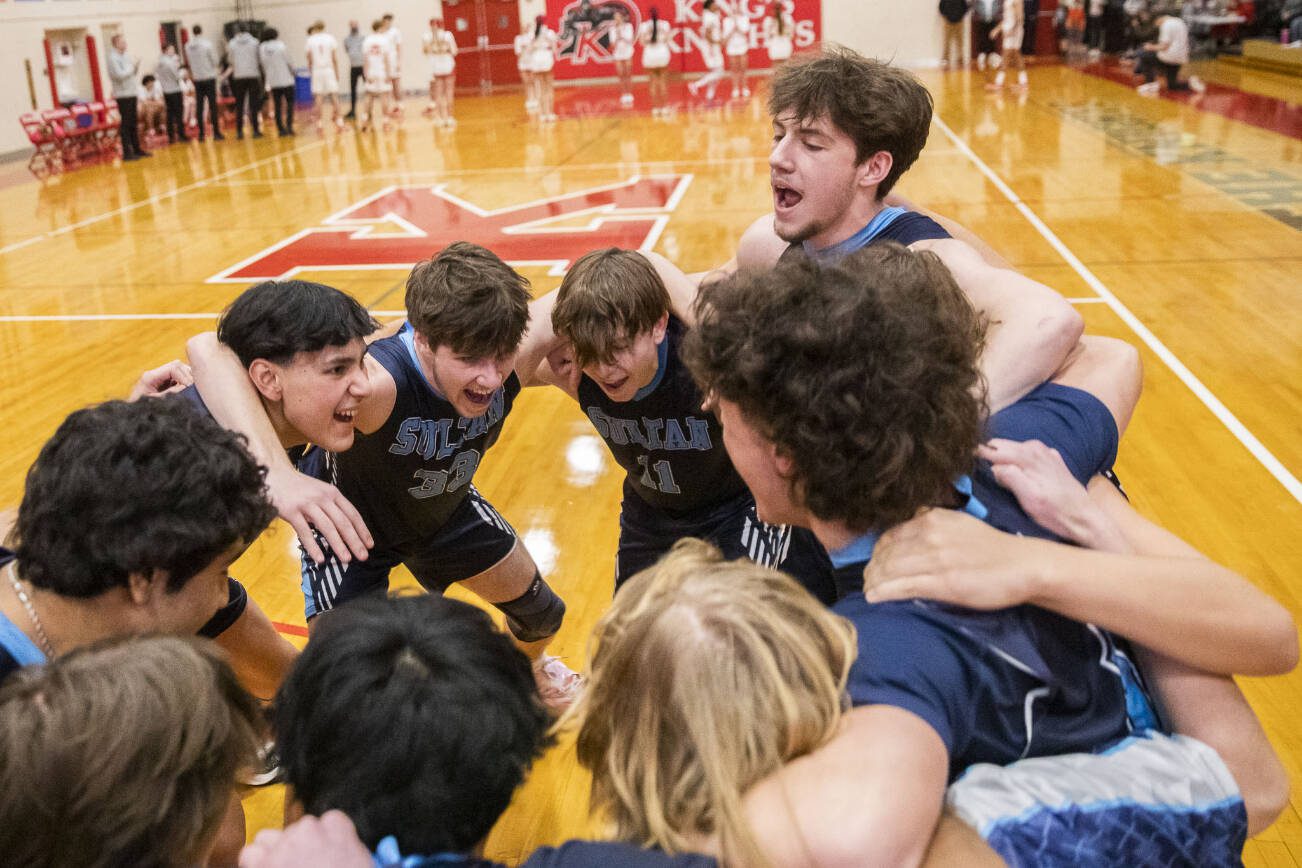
536	614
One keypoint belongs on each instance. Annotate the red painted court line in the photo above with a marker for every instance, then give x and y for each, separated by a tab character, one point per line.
290	629
1260	111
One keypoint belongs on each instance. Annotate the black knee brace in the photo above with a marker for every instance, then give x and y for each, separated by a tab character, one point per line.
536	614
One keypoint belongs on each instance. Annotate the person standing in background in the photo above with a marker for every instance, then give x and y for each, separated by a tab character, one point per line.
736	38
168	72
524	64
622	37
323	68
356	64
376	51
1009	30
242	51
441	48
984	19
543	54
654	37
953	12
122	77
711	50
393	36
1094	27
203	61
779	30
279	75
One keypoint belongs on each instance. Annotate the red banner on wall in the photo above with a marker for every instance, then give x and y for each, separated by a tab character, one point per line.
584	31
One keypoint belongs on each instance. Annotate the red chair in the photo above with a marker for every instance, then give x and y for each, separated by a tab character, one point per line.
46	159
111	119
60	122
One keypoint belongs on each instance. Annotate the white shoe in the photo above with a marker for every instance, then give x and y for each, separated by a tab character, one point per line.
626	99
996	60
736	94
1197	85
981	61
558	684
1151	88
745	91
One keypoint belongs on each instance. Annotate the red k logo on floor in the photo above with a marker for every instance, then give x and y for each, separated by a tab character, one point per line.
399	226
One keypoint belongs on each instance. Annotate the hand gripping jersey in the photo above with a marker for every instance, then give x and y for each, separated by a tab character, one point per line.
411	474
671	450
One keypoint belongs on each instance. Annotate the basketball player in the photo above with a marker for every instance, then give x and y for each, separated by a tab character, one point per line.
845	129
323	66
377	70
441	48
711	50
880	350
430	792
131	516
440	390
621	364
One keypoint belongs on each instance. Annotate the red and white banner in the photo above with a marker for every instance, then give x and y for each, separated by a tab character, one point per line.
584	30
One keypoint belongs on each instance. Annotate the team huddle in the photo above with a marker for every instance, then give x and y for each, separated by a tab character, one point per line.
879	597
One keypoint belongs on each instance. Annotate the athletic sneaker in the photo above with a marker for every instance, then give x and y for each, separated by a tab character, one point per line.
558	684
1197	84
1151	88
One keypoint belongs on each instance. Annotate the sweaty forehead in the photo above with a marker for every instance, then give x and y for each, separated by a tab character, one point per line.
822	124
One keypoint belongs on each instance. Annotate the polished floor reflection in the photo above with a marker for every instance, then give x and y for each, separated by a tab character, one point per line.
1159	217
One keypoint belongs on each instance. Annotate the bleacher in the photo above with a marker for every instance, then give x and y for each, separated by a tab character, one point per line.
65	138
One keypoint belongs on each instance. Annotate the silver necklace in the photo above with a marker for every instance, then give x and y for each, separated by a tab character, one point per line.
31	612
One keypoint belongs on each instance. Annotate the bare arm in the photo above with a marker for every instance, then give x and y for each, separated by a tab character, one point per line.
539	341
1032	328
305	503
954	228
870	796
681	288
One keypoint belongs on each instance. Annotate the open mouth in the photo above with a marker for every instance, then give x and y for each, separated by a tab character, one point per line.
784	197
478	398
614	385
345	417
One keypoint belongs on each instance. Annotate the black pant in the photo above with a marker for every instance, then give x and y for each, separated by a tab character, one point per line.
1150	67
247	97
353	77
285	96
130	129
1094	32
175	116
205	90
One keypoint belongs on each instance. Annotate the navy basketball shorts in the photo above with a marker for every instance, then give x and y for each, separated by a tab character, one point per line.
473	539
647	533
237	600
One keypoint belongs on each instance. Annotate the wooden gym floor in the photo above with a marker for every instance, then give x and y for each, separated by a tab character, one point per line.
1170	224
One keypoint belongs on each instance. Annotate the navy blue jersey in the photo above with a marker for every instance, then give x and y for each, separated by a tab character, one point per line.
891	224
409	476
1000	686
671	450
16	650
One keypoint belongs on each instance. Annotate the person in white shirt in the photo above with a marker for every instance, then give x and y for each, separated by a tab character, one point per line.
376	70
779	31
441	48
736	44
654	37
393	37
622	37
542	58
203	61
168	72
188	115
323	67
1166	56
1010	29
524	63
278	73
153	105
711	50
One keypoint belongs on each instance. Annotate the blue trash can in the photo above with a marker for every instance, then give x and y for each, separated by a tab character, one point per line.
302	86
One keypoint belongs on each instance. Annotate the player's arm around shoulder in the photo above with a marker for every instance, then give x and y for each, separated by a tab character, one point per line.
1032	328
680	286
374	410
759	247
870	796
